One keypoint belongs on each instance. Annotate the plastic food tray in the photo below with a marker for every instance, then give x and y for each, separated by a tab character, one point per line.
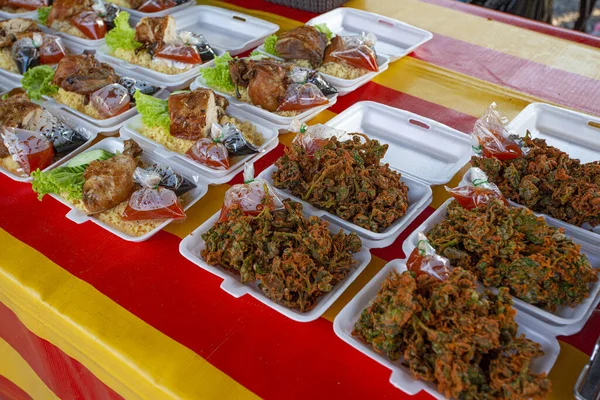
565	320
424	151
13	79
90	135
270	117
106	127
401	376
225	30
213	176
192	245
395	39
575	133
116	144
137	15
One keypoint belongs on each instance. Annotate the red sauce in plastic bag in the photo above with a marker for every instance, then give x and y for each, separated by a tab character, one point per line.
432	265
471	196
180	53
90	24
361	57
149	203
151	6
111	100
210	153
499	146
52	50
302	97
32	150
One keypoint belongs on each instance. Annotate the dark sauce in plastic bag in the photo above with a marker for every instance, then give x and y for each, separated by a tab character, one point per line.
109	17
26	54
233	139
132	85
170	179
317	79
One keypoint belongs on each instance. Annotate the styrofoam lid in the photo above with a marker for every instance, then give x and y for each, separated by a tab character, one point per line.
575	133
426	149
225	29
394	38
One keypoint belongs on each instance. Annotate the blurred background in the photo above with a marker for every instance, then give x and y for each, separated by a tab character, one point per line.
581	15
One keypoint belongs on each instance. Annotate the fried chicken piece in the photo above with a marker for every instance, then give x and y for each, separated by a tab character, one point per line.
13	29
110	182
83	74
241	71
268	84
302	43
64	9
192	114
155	30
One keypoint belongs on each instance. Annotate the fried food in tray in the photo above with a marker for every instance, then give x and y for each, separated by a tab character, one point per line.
511	247
345	178
293	259
447	333
530	172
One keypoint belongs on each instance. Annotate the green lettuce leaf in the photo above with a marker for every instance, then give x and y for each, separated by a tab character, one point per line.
154	112
122	35
218	76
38	82
257	55
324	30
269	45
43	13
62	180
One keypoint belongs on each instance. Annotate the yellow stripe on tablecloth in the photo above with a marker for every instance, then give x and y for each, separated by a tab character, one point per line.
526	44
569	364
14	368
127	354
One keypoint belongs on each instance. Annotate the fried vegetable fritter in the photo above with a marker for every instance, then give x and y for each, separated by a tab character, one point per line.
511	247
295	259
548	181
347	179
447	333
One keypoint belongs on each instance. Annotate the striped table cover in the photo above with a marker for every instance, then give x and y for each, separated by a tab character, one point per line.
84	314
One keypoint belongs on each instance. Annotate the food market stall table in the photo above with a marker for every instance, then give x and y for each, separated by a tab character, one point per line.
84	314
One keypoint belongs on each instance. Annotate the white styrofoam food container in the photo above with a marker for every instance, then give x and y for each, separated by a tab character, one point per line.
401	377
116	144
13	79
575	133
137	15
425	152
224	29
106	127
563	321
395	39
89	134
132	130
271	118
191	246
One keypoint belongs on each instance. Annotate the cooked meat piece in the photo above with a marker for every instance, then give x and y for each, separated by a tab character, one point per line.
18	112
192	114
83	74
13	29
302	43
63	9
222	102
155	30
337	43
268	85
108	183
241	71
